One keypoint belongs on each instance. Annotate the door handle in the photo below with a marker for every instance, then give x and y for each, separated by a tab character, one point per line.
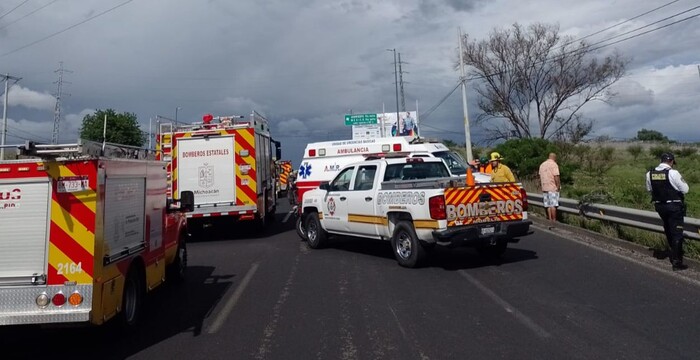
368	199
342	198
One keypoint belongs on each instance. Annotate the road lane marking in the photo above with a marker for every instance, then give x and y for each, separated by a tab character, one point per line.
522	318
266	342
228	307
405	336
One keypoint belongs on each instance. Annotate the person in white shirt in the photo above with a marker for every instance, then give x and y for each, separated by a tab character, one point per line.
668	190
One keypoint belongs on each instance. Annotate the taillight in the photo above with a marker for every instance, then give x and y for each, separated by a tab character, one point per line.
59	299
312	152
525	202
437	207
75	299
397	147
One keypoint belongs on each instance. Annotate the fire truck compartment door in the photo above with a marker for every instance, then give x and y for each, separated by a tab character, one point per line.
24	222
125	207
206	166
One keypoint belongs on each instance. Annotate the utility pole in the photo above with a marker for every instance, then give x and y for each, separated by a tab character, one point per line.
396	83
176	110
57	107
403	98
4	114
463	80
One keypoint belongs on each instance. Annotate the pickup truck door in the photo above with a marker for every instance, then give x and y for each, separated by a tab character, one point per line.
362	219
335	203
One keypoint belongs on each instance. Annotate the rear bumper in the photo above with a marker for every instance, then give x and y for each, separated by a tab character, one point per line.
479	235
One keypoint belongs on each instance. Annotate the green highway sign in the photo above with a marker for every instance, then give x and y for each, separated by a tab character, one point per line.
361	119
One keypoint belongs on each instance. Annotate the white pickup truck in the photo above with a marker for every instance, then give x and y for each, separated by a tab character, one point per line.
414	203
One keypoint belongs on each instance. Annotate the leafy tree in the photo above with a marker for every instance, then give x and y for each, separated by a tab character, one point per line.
122	128
524	157
535	69
650	135
449	143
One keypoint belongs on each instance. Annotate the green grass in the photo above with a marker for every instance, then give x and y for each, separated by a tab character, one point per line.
623	184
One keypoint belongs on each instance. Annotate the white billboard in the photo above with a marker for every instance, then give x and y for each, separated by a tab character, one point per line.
406	126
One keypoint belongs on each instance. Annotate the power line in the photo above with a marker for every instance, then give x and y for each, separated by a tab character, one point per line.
427	114
623	22
26	133
30	13
13	9
66	29
644	27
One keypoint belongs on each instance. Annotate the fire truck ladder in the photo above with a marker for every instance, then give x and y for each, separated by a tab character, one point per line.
84	148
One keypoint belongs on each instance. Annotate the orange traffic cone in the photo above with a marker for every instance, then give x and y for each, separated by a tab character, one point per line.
470	176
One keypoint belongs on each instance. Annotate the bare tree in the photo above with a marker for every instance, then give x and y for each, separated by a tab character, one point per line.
533	69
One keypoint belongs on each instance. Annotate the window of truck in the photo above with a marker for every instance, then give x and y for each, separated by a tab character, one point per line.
414	171
342	181
455	162
365	177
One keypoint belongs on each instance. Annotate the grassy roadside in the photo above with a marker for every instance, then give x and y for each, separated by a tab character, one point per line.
619	179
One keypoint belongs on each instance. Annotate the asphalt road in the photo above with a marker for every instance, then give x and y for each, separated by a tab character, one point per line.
266	296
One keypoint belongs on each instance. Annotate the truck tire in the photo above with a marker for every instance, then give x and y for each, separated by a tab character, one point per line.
178	269
133	297
316	236
407	248
301	231
493	251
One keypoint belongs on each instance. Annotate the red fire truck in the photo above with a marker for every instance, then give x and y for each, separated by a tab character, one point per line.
227	162
87	231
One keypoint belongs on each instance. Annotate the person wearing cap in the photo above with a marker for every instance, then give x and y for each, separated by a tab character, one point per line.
668	190
501	172
484	166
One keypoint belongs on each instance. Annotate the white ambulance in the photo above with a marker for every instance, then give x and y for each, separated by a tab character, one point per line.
323	160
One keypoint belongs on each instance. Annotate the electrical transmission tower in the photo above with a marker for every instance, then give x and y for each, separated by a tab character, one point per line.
403	98
57	108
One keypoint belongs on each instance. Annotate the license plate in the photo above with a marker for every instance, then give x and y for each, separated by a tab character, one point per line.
72	184
487	230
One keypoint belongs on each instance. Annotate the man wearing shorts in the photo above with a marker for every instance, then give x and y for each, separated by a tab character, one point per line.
549	178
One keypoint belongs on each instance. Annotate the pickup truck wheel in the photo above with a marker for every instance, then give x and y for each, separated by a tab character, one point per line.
178	269
315	235
300	227
407	248
493	251
132	298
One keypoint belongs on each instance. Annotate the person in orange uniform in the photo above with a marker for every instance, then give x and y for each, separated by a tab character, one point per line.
484	166
501	172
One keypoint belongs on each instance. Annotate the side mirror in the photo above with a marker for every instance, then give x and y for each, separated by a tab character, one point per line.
278	153
187	201
325	186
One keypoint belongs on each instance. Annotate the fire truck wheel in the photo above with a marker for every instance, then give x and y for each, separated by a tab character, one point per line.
493	251
300	227
316	236
132	301
407	248
178	269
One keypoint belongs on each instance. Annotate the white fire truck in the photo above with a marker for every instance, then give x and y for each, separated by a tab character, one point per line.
87	231
227	162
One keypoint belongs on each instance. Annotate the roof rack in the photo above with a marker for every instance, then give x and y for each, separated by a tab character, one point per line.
85	148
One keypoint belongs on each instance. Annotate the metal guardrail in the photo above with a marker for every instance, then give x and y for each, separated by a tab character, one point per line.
640	219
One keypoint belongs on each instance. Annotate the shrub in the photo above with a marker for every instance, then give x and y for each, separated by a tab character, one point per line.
687	151
598	161
635	151
656	151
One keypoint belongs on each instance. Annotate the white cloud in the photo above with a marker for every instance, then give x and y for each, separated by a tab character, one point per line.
22	96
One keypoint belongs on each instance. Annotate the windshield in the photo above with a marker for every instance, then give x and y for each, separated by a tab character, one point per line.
454	161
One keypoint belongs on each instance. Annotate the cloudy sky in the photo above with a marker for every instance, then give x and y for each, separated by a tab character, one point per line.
306	63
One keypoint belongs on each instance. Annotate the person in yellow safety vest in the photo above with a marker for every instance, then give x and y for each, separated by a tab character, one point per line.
484	166
501	172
